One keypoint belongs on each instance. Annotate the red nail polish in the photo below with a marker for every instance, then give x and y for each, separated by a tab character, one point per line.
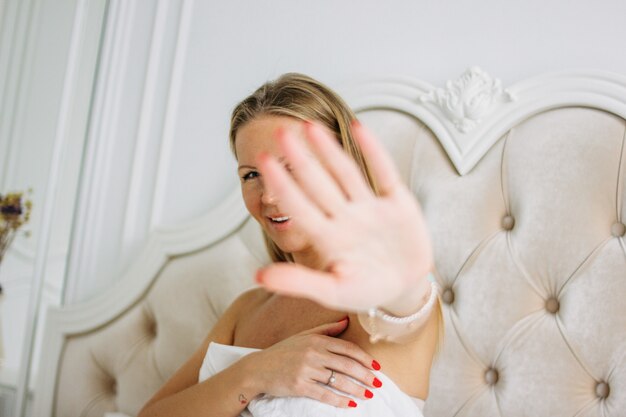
345	318
377	383
368	394
375	365
258	277
351	404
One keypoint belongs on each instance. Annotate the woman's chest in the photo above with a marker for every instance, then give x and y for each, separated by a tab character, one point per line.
279	318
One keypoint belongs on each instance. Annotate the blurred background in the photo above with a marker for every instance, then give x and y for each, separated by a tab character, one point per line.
115	113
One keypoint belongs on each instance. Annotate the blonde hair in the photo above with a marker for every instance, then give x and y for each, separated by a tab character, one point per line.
301	97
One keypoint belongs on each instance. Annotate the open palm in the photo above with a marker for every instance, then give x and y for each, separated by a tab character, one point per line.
374	247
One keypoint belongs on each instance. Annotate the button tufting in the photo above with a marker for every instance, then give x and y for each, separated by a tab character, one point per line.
448	296
491	376
508	222
602	389
552	305
618	229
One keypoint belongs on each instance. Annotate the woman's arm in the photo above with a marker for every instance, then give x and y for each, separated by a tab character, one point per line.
292	367
183	396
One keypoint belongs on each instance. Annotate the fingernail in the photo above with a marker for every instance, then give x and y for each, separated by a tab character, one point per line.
368	393
351	404
258	277
377	383
375	365
345	318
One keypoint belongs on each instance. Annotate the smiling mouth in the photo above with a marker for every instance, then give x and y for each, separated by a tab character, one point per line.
279	220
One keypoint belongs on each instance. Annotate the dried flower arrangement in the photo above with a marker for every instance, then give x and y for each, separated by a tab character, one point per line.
14	213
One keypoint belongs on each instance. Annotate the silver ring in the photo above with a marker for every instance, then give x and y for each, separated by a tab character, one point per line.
331	379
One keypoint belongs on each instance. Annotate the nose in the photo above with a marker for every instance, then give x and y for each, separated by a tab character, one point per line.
267	197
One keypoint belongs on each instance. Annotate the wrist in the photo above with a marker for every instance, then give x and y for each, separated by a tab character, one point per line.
394	327
411	300
251	383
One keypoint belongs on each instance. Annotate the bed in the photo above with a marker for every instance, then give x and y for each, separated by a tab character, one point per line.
524	190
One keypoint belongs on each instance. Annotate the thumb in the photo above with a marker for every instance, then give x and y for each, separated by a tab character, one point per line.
299	281
330	329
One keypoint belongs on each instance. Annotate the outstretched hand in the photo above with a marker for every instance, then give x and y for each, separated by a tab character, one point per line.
374	248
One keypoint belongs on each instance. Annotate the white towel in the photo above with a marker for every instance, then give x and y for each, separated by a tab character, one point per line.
388	401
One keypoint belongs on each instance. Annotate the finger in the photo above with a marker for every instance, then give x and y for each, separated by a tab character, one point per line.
384	170
328	329
292	199
343	168
344	384
299	281
352	350
325	395
310	174
348	366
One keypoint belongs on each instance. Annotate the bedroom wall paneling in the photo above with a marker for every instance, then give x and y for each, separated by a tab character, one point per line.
47	64
129	141
16	268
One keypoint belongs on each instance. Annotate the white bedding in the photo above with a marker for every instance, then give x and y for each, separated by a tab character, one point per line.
388	401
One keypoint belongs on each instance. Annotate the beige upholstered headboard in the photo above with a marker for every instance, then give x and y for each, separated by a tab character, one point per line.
523	189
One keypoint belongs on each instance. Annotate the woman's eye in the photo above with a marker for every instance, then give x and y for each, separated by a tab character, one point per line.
250	175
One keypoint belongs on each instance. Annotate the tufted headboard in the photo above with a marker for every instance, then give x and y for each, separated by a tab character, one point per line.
523	189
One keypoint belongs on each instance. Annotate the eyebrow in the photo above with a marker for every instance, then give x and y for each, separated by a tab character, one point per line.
281	160
245	166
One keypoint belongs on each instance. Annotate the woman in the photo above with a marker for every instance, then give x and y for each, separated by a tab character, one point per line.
346	236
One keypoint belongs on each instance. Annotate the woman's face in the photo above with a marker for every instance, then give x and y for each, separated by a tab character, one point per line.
253	138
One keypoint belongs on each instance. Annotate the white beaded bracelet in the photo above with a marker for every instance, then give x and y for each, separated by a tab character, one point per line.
412	321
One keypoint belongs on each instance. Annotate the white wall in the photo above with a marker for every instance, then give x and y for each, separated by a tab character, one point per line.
139	92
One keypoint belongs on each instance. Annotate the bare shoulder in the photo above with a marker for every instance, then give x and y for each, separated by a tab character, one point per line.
222	332
250	299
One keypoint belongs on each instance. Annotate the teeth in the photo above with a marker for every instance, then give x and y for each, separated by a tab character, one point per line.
280	219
